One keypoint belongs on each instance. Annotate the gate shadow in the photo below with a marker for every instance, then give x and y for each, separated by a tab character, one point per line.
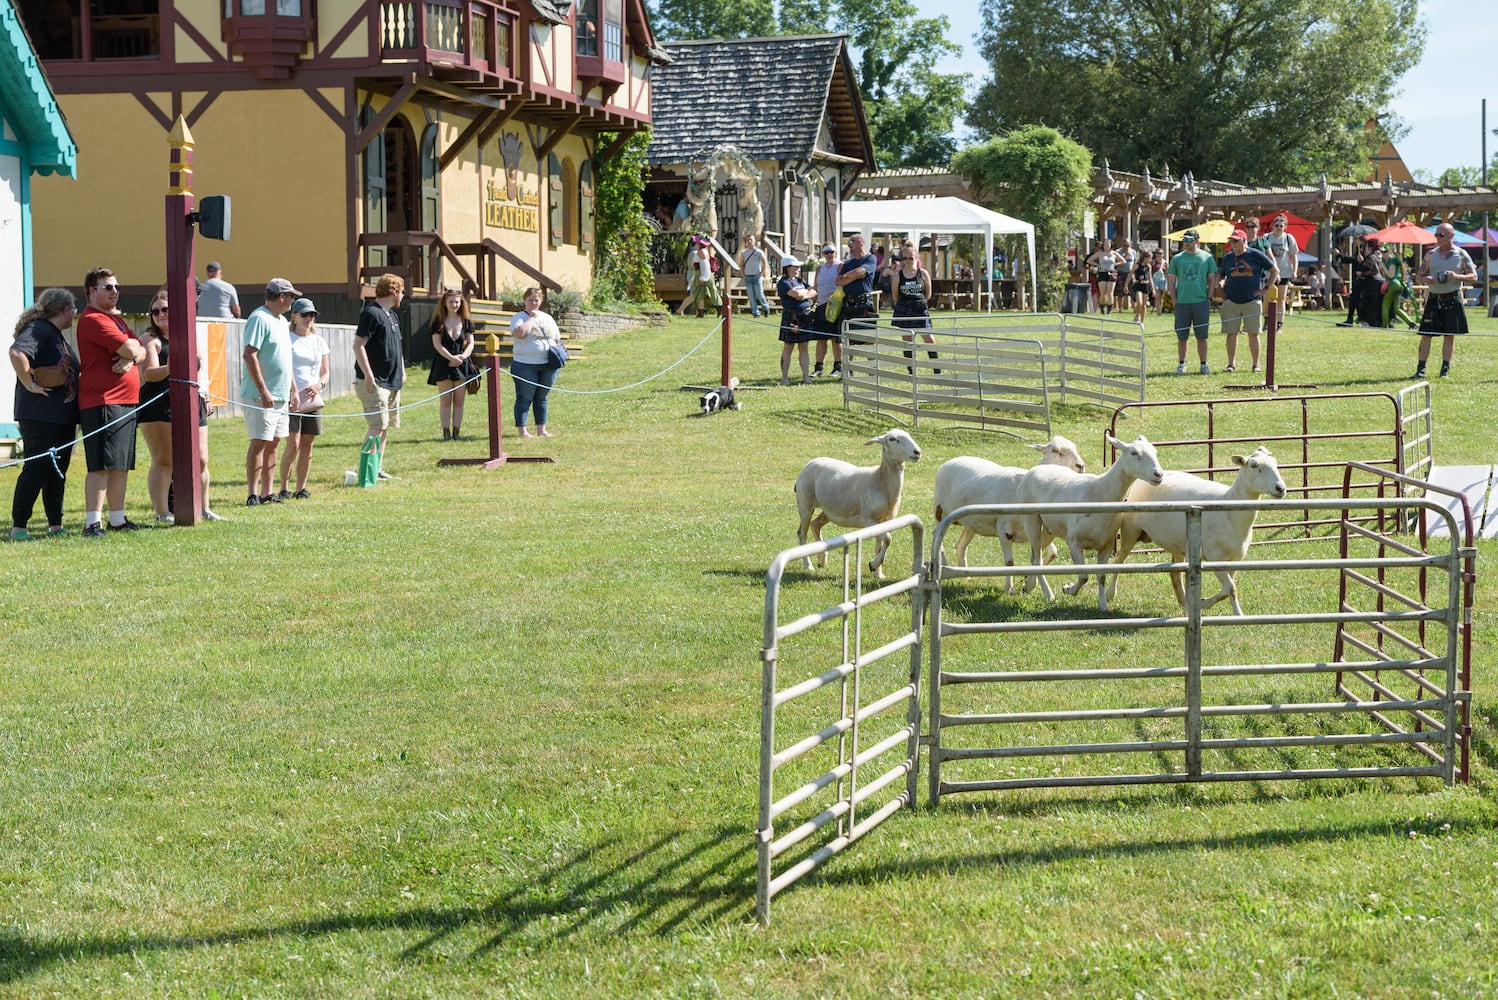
676	879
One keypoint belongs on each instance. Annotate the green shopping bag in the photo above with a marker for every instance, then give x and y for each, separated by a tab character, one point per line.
369	460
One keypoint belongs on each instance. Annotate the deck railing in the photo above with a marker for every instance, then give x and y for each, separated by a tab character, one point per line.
478	32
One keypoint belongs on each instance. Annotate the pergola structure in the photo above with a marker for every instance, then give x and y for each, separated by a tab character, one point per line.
1138	204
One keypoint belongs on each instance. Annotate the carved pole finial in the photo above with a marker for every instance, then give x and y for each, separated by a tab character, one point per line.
179	160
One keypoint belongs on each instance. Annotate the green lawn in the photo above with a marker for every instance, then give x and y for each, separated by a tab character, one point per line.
496	734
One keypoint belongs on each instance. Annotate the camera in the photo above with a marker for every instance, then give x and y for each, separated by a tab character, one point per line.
897	257
1444	276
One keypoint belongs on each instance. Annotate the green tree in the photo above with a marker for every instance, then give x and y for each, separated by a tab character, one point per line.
912	110
622	271
1036	174
673	19
1254	91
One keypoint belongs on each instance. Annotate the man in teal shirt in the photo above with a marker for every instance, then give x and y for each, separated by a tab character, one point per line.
1191	282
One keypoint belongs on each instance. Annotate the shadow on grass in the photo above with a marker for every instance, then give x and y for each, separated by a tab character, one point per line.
855	872
866	423
679	878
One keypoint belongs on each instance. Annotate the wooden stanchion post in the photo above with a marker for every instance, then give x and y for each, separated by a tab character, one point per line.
497	456
182	330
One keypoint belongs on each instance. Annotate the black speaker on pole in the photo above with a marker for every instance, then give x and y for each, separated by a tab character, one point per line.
213	216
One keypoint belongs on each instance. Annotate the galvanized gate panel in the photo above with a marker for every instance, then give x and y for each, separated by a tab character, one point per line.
1202	717
837	779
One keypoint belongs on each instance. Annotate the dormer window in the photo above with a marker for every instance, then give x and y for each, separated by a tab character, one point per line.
269	35
599	31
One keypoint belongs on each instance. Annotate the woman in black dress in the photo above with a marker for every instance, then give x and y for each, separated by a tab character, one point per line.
452	339
911	288
46	408
797	301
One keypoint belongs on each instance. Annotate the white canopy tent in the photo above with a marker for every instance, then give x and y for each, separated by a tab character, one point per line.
920	216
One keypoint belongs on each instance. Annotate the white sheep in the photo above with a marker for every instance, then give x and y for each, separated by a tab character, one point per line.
1226	534
855	497
968	480
1084	532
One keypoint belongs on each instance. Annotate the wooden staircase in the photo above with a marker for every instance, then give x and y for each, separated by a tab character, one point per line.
494	317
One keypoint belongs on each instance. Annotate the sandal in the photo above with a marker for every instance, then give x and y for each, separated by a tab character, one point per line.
1230	368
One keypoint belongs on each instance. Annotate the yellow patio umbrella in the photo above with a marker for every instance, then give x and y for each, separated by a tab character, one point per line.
1211	231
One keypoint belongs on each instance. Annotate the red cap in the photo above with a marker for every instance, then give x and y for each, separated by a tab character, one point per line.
1238	234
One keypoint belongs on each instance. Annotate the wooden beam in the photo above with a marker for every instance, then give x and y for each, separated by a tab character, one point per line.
614	147
458	94
500	121
389	111
557	136
451	153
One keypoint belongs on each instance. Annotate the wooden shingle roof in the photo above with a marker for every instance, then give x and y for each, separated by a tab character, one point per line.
770	97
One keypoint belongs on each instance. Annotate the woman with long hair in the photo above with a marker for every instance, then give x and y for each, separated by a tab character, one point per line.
47	413
452	340
1103	262
155	417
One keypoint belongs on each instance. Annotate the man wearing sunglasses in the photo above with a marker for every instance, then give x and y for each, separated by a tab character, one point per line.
108	393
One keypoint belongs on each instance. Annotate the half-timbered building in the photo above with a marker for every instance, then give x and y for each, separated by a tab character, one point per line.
452	141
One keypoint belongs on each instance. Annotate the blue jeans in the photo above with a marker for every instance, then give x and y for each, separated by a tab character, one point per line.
754	284
532	385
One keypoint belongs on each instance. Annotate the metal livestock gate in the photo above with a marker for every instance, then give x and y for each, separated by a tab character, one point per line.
1189	703
995	371
823	789
1391	699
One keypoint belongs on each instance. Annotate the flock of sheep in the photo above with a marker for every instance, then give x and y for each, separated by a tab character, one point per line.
832	491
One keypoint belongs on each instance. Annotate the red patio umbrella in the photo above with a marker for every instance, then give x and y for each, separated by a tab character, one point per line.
1301	229
1406	232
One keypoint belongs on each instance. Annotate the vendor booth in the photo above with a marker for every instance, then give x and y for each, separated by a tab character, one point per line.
917	217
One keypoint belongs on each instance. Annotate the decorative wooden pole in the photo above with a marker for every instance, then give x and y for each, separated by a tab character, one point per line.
727	342
497	456
182	329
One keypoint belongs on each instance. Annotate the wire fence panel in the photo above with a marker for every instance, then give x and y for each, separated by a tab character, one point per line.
1188	697
840	707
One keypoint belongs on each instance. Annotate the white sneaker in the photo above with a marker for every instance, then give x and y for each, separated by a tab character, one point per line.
1205	370
165	519
209	515
1181	368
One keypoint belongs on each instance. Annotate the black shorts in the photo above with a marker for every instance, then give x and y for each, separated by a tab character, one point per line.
159	411
112	449
309	424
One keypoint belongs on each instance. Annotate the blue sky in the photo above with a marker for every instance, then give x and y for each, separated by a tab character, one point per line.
1444	131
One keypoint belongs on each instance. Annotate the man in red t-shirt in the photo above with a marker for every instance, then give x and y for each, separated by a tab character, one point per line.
108	393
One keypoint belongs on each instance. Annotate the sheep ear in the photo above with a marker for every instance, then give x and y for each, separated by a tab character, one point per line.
877	440
1115	442
1041	447
1239	460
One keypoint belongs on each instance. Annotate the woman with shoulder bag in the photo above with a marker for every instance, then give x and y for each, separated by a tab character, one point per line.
534	333
309	377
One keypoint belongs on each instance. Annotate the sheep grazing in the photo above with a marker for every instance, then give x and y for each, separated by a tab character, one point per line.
855	497
1084	533
1226	534
967	480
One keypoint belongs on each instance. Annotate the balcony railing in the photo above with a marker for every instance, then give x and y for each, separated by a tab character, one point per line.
475	34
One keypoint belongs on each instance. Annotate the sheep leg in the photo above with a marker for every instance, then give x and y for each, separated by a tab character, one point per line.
1125	546
1229	590
1039	538
1102	590
876	565
817	524
803	529
1006	542
1078	556
963	540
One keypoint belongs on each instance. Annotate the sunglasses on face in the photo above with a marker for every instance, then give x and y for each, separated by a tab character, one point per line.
158	310
108	288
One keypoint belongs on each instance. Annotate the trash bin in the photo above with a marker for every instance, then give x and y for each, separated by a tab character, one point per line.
1077	298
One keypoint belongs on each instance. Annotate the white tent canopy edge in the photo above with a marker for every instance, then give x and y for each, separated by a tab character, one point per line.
918	217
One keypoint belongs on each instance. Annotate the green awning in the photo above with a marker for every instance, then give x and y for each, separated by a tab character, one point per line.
29	103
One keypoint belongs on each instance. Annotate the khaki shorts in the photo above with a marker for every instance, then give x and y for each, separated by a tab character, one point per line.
381	406
264	425
1245	316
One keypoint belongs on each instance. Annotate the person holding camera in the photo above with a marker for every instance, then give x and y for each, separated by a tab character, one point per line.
1445	268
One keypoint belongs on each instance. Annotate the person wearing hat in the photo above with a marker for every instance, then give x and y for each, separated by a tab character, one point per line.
217	299
265	389
796	299
1246	272
825	281
309	378
1191	283
702	286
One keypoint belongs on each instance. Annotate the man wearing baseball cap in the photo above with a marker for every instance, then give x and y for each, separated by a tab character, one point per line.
265	389
1191	282
1243	272
217	299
